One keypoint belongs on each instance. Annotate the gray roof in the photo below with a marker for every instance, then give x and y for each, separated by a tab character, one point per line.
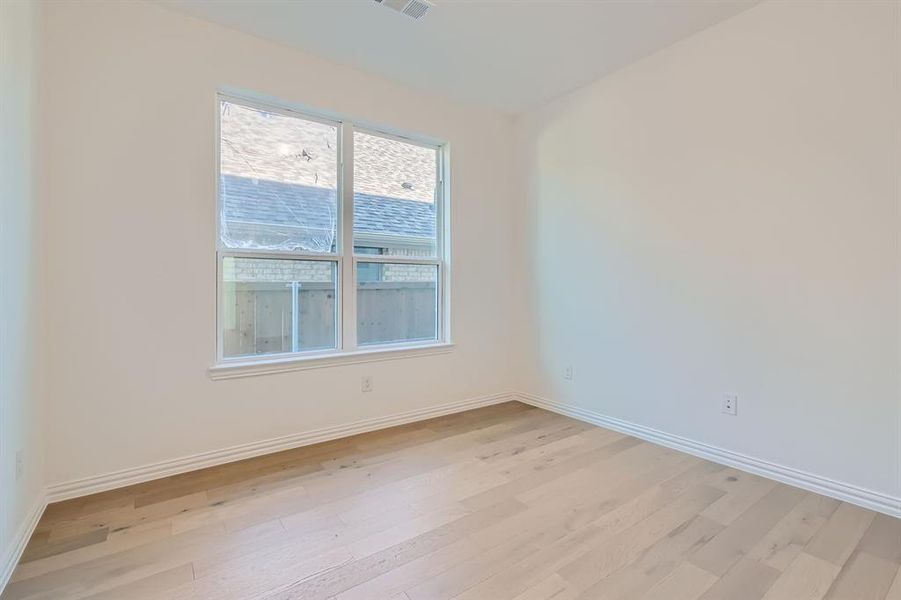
264	204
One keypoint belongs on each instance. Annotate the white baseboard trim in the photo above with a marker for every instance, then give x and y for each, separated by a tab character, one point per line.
14	552
110	481
815	483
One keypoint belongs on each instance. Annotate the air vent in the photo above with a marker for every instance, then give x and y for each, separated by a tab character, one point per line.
415	9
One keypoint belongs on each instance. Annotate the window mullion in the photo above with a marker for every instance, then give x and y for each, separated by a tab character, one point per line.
443	230
348	283
278	255
398	260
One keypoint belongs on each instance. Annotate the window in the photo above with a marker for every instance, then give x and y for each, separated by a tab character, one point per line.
330	236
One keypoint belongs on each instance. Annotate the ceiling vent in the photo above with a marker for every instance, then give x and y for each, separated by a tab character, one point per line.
415	9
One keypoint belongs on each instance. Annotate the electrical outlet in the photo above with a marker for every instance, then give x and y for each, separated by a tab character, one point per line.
20	465
568	373
366	384
730	404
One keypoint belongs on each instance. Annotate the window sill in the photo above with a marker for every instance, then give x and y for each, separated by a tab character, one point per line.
254	367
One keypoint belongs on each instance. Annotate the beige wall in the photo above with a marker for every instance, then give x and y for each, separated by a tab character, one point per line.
128	141
20	412
723	216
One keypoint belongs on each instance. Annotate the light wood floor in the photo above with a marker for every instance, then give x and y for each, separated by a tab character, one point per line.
503	502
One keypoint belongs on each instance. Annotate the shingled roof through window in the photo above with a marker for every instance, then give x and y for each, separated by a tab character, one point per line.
266	202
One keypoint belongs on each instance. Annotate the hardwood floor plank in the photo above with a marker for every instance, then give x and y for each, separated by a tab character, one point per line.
634	460
656	563
123	567
745	580
114	544
837	539
642	505
457	581
807	578
608	490
621	549
866	577
528	482
320	534
737	540
575	526
412	573
685	582
403	531
150	588
742	491
553	587
883	539
556	453
343	578
256	578
523	573
894	592
65	544
782	544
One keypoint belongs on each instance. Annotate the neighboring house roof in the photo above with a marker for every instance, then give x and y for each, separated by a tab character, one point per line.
303	216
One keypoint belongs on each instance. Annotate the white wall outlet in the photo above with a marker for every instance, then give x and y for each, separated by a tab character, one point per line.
20	465
366	384
730	404
568	373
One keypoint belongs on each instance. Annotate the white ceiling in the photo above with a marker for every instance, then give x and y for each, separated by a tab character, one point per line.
508	54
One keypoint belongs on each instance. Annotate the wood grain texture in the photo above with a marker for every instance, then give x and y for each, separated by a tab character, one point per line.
807	578
504	502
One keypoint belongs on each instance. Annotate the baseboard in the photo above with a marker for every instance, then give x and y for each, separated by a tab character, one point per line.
102	483
14	553
808	481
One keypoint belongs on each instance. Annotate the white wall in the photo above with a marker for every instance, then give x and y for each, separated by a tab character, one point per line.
723	216
20	412
128	141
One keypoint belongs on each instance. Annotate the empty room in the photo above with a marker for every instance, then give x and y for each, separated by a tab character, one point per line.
450	299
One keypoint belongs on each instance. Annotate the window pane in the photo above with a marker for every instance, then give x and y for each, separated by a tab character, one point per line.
272	306
396	303
278	181
394	196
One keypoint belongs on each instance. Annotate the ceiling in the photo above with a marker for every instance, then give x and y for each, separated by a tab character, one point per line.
513	55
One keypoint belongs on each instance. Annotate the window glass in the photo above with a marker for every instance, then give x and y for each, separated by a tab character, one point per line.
395	187
273	306
368	271
401	305
278	181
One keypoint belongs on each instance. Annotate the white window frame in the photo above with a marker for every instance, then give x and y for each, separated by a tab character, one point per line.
347	350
